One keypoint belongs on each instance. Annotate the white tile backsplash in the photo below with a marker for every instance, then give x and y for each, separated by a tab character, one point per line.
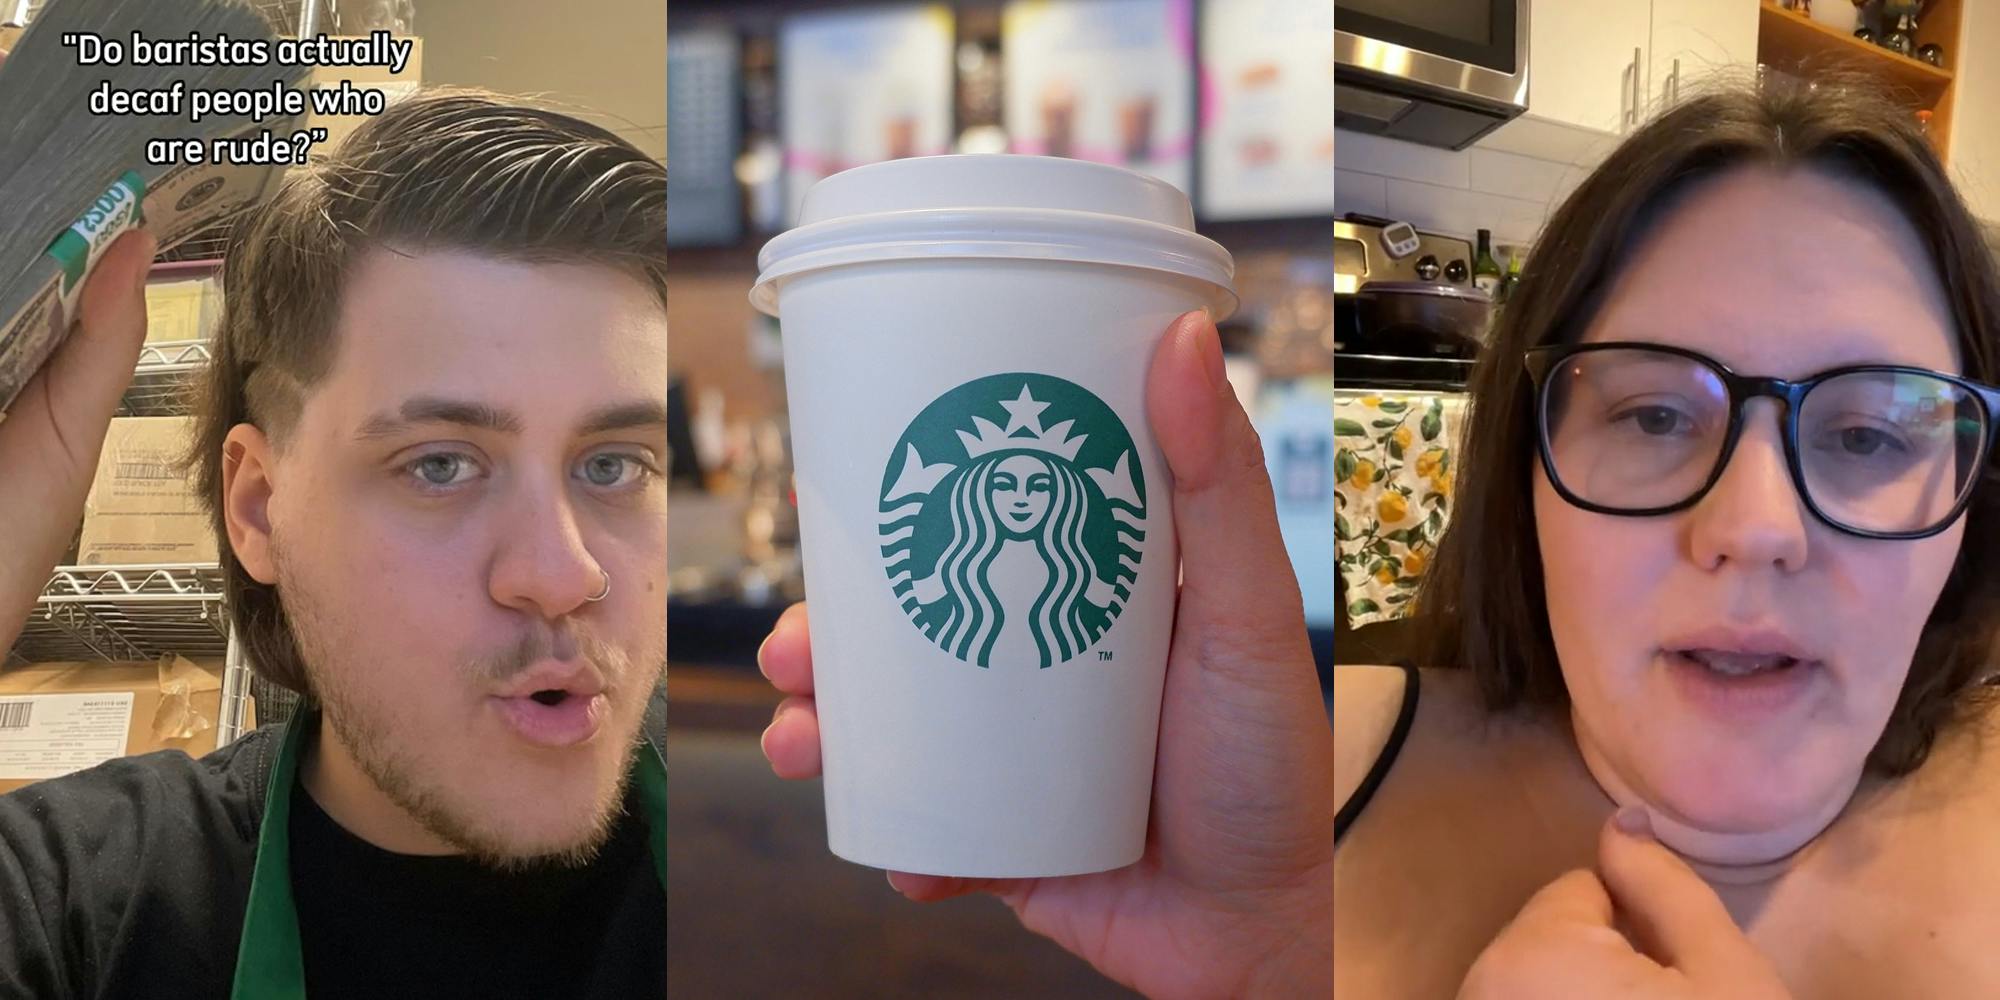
1456	193
1354	191
1462	212
1373	154
1548	140
1430	206
1518	176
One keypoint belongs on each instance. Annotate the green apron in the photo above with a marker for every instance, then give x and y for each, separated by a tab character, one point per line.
269	962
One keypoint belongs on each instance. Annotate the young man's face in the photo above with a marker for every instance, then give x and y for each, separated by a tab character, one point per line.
488	445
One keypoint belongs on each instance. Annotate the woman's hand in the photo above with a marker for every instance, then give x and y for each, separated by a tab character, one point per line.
50	439
1234	896
1677	941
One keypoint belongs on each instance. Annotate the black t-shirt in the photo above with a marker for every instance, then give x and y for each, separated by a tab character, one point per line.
130	879
458	929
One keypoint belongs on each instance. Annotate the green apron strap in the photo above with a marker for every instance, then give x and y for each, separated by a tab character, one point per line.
269	963
650	775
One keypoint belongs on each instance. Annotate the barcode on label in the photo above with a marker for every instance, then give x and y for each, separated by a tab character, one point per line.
146	470
14	714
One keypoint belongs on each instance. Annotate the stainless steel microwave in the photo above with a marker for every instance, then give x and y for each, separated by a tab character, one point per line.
1438	72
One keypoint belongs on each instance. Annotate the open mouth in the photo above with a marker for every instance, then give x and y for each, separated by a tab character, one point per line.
1746	688
554	704
554	717
1729	664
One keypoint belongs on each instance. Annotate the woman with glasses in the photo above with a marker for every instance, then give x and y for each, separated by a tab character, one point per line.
1706	712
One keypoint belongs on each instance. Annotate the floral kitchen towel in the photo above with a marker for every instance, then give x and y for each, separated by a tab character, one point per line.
1392	470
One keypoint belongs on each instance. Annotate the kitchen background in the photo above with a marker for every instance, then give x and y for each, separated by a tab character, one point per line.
1226	99
1477	119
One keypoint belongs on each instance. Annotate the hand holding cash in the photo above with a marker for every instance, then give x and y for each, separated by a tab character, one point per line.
72	299
51	437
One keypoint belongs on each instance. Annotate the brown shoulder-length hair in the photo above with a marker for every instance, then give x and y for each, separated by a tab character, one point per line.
446	168
1483	598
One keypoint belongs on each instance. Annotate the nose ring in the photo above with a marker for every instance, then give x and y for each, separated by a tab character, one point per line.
606	592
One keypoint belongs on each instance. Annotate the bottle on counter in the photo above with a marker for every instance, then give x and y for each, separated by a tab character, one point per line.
1514	255
1485	271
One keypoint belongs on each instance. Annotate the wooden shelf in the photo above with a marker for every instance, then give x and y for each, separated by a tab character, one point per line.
1795	43
1788	40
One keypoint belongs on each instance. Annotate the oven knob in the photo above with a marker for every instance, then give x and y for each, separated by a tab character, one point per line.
1427	267
1456	273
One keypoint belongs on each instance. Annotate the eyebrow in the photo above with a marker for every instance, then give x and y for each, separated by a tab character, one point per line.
421	410
648	413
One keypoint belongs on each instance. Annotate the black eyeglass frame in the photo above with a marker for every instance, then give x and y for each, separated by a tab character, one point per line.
1540	361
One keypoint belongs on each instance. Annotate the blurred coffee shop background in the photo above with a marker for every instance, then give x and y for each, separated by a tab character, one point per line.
1463	126
1230	100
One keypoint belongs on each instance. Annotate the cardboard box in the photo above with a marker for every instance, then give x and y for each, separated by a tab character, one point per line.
181	310
57	718
141	509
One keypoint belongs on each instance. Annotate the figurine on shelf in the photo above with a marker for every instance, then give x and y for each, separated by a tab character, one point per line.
1932	53
1869	20
1899	26
1900	38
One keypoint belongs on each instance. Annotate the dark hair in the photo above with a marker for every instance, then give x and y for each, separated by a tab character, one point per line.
1483	597
444	168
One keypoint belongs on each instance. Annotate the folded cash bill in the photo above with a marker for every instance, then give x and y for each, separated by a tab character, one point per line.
72	181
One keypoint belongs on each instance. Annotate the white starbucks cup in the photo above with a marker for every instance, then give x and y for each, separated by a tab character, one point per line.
988	538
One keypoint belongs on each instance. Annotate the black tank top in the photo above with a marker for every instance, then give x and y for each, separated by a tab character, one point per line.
1351	809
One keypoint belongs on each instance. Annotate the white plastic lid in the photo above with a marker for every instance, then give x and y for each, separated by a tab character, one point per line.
1000	206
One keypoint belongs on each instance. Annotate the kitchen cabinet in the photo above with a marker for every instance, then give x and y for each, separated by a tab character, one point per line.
1975	136
1698	39
1586	61
1610	64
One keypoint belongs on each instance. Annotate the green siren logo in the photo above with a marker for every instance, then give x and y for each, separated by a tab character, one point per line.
1015	543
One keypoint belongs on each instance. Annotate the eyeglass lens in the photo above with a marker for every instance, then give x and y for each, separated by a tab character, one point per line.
1632	429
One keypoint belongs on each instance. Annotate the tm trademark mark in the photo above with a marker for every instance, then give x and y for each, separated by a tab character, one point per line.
1104	654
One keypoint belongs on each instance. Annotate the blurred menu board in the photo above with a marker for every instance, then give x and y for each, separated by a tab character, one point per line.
861	87
1104	80
1267	85
702	133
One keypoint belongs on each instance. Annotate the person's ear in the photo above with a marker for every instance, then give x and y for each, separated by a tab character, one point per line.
247	468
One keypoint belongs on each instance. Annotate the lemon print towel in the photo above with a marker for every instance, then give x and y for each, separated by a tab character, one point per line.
1393	466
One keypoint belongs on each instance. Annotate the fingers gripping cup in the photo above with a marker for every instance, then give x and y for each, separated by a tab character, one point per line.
988	539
